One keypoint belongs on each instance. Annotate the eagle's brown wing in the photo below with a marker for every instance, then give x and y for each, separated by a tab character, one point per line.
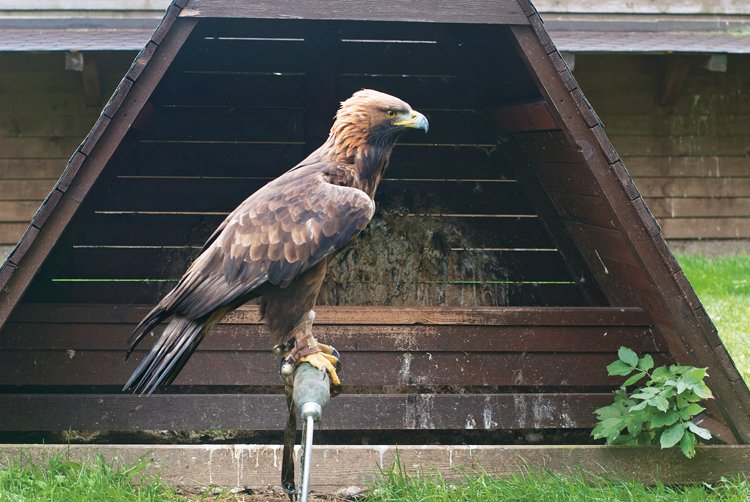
273	236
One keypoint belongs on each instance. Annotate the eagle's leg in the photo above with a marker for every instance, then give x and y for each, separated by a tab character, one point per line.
307	349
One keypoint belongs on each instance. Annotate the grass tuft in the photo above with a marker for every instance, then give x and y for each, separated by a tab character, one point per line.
62	479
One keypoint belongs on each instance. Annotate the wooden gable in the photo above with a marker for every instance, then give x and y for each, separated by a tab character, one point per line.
510	258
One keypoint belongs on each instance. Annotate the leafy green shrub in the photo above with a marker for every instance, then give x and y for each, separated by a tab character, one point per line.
662	409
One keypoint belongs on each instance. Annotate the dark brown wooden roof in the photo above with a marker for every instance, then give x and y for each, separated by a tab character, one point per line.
591	207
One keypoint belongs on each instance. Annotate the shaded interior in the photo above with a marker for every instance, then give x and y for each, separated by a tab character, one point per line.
246	100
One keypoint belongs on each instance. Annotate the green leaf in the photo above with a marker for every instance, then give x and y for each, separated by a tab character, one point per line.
662	419
681	386
687	444
619	368
661	374
639	406
646	362
704	433
611	411
607	428
671	436
694	375
634	378
628	356
702	391
690	411
660	403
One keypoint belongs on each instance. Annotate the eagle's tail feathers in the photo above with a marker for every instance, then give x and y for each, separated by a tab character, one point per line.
146	326
168	355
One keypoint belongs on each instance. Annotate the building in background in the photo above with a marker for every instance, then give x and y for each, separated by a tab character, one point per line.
670	80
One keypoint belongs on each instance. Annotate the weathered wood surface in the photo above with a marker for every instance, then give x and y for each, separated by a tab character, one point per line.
535	316
442	11
689	160
676	311
20	412
342	466
536	349
97	149
44	118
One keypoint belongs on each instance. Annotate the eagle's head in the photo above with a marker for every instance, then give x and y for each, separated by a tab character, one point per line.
372	118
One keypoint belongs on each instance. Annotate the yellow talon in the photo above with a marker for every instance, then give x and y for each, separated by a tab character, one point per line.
324	361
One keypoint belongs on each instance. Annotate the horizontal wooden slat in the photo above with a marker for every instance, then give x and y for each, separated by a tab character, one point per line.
656	124
10	233
224	194
421	92
166	263
706	228
180	230
22	169
463	11
680	167
233	54
511	316
346	338
699	207
368	369
268	412
457	294
665	146
236	90
694	187
30	126
19	190
44	148
246	159
227	124
18	210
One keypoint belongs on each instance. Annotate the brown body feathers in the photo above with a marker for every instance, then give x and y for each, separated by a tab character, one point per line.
277	243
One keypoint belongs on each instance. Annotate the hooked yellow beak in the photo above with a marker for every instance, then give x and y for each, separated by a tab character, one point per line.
415	120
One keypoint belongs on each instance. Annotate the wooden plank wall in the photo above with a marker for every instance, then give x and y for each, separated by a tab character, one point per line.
408	368
43	118
453	226
690	160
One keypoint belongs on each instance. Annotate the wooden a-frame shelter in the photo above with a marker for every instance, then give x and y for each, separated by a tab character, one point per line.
524	255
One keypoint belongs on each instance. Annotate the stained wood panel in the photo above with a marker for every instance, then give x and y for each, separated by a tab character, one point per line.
268	412
83	345
689	160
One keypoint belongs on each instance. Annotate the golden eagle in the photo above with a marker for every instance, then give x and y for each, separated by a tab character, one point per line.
277	243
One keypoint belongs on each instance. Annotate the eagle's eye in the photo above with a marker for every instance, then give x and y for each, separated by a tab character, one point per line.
390	114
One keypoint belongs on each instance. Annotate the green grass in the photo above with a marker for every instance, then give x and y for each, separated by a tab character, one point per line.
64	480
395	485
723	285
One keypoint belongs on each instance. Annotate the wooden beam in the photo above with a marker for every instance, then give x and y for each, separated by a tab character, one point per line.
346	315
119	412
686	330
674	80
342	466
423	11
